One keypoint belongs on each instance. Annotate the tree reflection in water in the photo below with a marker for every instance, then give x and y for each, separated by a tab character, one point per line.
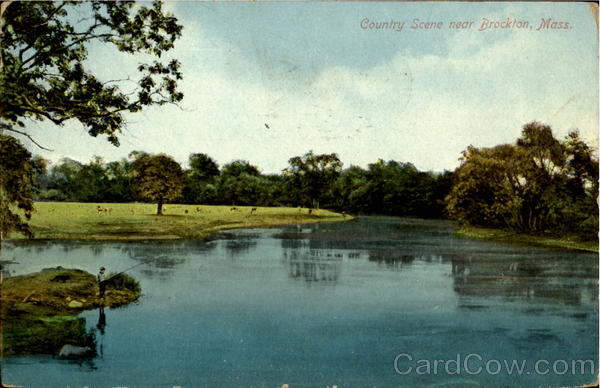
485	278
391	259
312	265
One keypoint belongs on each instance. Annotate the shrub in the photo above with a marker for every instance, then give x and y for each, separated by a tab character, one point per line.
122	281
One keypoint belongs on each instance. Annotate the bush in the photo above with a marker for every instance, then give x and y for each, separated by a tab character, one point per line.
123	281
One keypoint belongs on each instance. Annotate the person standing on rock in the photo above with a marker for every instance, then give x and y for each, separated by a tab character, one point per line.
101	283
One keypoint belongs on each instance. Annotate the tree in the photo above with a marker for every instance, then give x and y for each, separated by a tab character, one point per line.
16	179
203	167
310	176
240	183
439	191
40	174
347	188
246	190
487	189
43	59
200	179
92	182
237	168
119	177
157	178
391	188
579	210
539	184
62	181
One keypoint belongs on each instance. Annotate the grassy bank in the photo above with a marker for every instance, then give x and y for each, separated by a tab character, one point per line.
132	221
525	239
39	310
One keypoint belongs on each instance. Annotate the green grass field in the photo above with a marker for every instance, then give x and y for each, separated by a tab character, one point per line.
134	221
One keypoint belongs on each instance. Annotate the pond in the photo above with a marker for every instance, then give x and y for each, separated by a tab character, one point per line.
379	301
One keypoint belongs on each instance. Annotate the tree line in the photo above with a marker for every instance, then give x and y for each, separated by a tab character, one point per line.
538	184
310	181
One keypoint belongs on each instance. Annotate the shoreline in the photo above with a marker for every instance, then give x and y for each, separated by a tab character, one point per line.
122	222
135	222
209	236
522	239
40	310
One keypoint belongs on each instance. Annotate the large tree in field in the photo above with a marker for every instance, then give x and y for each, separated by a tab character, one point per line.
311	176
157	178
44	67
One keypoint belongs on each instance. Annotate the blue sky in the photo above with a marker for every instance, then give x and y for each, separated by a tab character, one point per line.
321	83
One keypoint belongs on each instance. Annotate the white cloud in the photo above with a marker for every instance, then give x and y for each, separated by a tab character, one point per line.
421	109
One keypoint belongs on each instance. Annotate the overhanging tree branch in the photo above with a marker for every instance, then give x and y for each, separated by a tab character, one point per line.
4	127
44	52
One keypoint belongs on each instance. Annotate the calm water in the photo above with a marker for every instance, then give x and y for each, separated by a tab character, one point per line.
318	305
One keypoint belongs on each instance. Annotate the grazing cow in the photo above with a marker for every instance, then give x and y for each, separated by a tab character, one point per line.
198	210
233	209
253	210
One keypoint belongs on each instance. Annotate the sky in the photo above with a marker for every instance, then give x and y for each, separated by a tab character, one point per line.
266	81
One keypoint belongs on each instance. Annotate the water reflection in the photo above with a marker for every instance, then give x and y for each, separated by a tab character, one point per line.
238	246
237	243
310	305
96	345
64	338
548	281
45	336
313	265
392	260
101	326
297	241
480	271
161	260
